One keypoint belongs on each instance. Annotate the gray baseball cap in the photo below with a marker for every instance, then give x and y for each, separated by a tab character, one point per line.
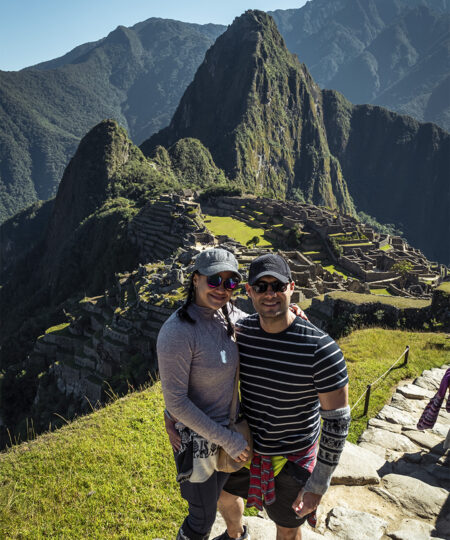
215	260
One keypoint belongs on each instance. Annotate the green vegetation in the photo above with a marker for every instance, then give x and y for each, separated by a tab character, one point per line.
387	228
336	270
402	267
236	229
110	474
384	292
336	247
57	328
139	86
397	301
212	192
370	352
357	245
445	286
387	247
270	109
106	475
343	238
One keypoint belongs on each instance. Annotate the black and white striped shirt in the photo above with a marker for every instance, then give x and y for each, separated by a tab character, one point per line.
280	377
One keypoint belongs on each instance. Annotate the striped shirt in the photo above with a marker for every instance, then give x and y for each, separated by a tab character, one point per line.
281	375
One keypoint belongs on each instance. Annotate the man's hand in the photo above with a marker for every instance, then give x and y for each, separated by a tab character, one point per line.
306	502
174	436
244	455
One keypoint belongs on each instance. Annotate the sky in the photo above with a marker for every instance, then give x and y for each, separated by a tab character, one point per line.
33	31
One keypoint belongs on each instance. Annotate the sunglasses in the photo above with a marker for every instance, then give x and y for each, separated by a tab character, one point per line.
276	286
216	280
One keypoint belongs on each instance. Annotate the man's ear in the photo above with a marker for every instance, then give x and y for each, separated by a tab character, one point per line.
195	279
248	288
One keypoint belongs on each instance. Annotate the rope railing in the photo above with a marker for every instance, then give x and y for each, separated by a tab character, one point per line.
367	391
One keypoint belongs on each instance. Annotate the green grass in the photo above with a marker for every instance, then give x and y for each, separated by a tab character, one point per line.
387	247
445	286
236	229
106	475
370	352
110	475
380	291
57	328
334	270
397	301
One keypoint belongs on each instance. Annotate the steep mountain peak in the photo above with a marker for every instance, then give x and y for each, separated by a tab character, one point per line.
258	111
84	185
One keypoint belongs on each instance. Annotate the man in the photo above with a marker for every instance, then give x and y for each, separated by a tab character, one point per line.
291	374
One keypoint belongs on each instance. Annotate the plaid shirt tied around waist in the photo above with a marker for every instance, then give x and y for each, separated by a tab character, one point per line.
262	482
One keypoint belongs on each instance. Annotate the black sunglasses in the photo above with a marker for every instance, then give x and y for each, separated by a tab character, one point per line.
216	280
276	286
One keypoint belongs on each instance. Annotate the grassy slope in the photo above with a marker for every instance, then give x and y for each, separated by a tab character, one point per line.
236	229
396	301
372	351
106	475
111	475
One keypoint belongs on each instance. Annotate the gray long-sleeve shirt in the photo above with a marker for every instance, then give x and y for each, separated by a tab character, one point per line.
197	364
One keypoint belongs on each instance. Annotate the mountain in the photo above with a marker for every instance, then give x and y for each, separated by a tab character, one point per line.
396	168
392	53
257	110
272	130
76	243
80	241
135	75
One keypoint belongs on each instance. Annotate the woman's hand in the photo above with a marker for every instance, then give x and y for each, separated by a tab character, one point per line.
243	456
297	311
174	436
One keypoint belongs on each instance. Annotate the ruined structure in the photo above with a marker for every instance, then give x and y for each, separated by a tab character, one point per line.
110	339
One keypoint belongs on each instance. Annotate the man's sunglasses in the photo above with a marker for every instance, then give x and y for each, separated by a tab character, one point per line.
276	286
216	280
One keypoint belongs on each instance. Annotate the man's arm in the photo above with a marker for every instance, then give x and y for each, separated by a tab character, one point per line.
335	412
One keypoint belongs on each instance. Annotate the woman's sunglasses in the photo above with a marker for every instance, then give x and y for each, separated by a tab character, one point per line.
276	286
216	280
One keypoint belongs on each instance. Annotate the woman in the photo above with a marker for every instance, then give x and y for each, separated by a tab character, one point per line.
198	358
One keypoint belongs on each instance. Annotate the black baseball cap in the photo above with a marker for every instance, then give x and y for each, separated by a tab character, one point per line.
269	265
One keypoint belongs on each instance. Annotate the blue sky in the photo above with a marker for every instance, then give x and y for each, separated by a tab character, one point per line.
33	31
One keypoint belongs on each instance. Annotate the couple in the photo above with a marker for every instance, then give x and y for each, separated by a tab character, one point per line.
291	375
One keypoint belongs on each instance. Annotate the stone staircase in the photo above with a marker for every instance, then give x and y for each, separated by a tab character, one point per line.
393	485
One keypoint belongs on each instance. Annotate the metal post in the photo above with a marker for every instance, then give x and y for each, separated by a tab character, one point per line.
366	404
405	361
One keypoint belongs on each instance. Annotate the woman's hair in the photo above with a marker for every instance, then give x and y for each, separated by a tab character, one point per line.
190	297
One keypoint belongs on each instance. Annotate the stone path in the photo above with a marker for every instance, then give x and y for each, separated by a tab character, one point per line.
394	484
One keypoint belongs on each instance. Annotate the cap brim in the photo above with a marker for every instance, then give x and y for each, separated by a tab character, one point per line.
219	267
280	277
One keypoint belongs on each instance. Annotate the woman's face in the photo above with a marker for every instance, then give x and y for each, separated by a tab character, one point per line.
213	298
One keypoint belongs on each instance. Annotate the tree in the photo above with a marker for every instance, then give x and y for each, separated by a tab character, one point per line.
403	268
255	240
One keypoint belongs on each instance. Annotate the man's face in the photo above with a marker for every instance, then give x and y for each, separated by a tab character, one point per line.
270	304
